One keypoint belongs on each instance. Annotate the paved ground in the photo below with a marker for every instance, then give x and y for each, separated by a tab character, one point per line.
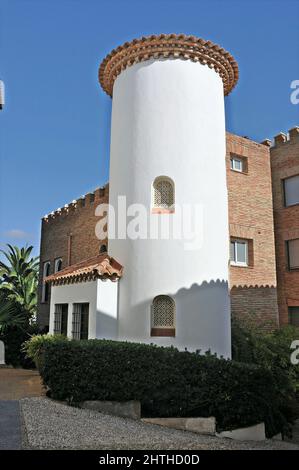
52	425
15	384
10	425
19	383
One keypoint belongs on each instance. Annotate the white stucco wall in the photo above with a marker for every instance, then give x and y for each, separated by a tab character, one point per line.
102	299
71	294
168	119
107	327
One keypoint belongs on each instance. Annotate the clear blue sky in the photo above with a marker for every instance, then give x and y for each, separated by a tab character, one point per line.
55	127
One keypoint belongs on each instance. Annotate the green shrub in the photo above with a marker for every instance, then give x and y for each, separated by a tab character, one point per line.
166	381
13	339
272	351
33	348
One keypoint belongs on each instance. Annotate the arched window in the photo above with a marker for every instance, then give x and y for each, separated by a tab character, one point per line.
163	316
46	287
58	265
103	249
163	195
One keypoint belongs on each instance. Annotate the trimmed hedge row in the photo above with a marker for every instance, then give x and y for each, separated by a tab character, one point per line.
166	381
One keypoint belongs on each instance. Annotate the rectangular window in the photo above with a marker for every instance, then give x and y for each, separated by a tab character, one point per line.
238	163
80	321
239	252
291	190
294	316
60	319
293	253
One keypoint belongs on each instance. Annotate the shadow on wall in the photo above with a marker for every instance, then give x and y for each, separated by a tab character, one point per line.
202	319
107	325
255	305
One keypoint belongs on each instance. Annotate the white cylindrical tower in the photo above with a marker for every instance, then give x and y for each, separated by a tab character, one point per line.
168	155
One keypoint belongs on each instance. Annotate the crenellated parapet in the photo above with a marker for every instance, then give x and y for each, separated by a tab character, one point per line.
94	197
282	138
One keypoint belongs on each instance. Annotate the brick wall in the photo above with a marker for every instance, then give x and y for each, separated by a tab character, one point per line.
253	288
285	163
69	234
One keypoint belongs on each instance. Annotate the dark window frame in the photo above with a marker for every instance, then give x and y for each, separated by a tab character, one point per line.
45	285
290	315
283	180
287	250
63	320
80	320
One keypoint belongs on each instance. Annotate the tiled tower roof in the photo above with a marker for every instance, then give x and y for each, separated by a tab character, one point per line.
176	46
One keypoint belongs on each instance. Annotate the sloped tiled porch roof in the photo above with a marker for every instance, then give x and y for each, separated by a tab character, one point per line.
101	266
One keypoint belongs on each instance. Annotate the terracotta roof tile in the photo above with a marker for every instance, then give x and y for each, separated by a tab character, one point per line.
178	46
101	266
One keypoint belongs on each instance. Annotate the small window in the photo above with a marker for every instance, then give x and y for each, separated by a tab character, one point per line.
60	319
239	252
238	164
58	265
103	249
291	191
163	194
163	316
46	287
293	253
80	321
294	316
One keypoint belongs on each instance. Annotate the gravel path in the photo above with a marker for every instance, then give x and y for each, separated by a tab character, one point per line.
52	425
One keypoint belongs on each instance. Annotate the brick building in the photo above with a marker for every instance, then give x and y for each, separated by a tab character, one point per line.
167	156
68	237
253	278
260	290
285	184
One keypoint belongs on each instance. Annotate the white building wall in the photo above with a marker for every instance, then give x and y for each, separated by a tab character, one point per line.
168	119
71	294
102	298
107	309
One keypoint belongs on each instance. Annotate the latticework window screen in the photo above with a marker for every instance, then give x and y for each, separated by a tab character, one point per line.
163	193
163	313
57	319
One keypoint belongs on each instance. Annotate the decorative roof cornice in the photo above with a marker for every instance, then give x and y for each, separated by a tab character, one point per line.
99	267
177	46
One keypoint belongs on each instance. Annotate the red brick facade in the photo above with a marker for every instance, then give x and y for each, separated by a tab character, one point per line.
70	233
285	163
253	287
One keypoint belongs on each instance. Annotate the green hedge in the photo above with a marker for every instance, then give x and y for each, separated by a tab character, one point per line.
166	381
269	350
13	339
